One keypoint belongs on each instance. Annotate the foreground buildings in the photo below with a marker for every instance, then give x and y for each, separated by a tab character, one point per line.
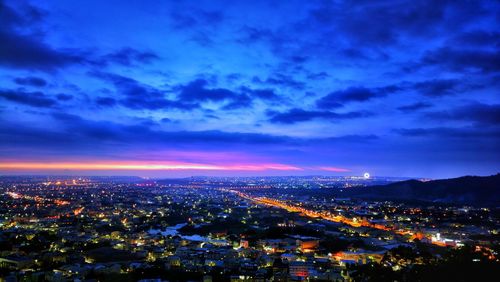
109	229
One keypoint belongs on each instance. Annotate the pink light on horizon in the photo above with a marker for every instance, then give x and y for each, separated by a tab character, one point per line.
333	169
123	165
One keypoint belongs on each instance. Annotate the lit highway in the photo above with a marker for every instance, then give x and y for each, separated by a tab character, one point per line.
326	215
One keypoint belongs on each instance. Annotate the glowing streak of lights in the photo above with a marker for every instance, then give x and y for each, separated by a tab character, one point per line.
324	215
37	199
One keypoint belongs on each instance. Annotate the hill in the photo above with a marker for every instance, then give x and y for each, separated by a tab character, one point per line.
472	190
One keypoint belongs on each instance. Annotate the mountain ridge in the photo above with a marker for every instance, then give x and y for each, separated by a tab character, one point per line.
473	190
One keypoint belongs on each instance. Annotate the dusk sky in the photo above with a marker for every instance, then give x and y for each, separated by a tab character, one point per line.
180	88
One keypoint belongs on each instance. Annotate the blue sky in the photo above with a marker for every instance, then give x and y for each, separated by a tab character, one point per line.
399	88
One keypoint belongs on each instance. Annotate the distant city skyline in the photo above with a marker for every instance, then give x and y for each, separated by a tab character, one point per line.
221	88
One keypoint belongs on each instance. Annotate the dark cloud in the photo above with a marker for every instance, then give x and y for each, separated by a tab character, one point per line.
190	18
264	94
477	38
93	130
103	130
450	132
34	99
318	76
281	80
64	97
128	57
383	23
19	50
299	59
477	113
26	52
341	32
415	107
105	101
437	87
31	81
77	133
252	35
233	77
202	38
463	59
189	96
354	94
138	96
300	115
240	101
357	138
328	102
198	25
26	136
354	53
197	91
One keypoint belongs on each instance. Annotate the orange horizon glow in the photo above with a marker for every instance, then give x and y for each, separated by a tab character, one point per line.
142	166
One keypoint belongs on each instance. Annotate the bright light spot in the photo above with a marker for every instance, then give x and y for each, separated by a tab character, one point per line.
366	175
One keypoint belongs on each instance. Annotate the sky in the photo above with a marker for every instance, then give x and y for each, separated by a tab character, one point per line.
180	88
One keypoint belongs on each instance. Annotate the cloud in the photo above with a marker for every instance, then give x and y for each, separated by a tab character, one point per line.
450	132
463	59
318	76
414	107
24	52
252	35
64	97
105	101
241	101
437	87
328	102
354	94
336	33
196	24
128	57
191	18
478	113
281	80
299	115
198	91
389	23
477	38
72	132
189	96
19	50
353	138
138	96
233	77
264	94
31	81
34	99
78	130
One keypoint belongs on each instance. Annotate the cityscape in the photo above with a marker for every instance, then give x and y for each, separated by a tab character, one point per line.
249	141
236	229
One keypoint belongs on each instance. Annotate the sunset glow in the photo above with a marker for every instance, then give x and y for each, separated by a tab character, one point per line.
334	169
142	166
